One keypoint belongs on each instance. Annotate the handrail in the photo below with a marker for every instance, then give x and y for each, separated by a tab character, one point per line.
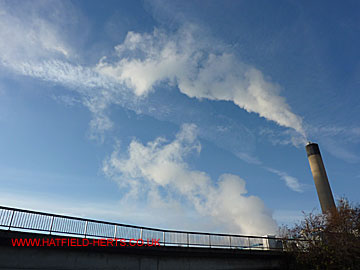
21	219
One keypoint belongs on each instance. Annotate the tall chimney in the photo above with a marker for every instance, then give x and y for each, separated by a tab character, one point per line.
320	178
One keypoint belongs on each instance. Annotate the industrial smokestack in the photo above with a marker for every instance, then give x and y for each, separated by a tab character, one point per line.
320	178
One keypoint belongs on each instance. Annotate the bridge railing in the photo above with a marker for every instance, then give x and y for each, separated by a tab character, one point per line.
33	221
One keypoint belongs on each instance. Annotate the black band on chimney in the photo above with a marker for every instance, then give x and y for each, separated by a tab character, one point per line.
312	149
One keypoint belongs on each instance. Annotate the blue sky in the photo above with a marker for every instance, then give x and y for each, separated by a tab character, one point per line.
178	114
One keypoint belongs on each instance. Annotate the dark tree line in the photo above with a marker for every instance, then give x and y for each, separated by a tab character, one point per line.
327	241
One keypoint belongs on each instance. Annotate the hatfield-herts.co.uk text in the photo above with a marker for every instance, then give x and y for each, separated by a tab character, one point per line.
85	242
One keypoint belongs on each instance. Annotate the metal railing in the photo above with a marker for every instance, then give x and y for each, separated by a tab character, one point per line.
33	221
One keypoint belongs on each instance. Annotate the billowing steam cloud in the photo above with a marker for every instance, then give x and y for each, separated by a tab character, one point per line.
160	166
200	69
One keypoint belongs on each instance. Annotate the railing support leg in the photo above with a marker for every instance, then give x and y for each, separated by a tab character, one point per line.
115	231
164	237
12	215
86	223
51	224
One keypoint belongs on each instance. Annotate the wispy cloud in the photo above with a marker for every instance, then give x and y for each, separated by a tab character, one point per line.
343	133
290	181
35	46
26	35
338	140
159	167
249	158
285	137
66	100
340	150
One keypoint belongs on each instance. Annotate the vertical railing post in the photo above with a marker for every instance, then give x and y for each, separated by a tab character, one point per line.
249	243
188	242
86	223
164	237
12	215
267	243
210	240
51	224
141	233
230	240
115	231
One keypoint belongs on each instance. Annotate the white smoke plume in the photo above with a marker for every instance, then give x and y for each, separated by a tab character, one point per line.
159	167
199	68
